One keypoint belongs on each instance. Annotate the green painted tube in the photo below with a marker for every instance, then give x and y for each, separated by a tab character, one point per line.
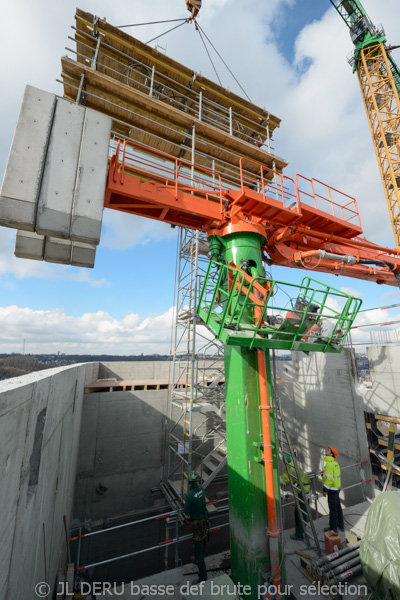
250	560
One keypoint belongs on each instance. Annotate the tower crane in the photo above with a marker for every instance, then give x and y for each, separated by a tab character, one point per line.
379	79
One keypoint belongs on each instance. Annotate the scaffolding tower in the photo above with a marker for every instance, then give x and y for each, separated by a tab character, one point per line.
197	432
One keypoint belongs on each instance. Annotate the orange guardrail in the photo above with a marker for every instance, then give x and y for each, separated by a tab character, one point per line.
348	211
281	190
170	176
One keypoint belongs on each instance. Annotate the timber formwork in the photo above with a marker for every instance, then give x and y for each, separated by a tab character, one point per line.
160	104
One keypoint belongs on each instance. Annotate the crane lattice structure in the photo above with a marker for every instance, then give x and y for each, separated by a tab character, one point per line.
379	79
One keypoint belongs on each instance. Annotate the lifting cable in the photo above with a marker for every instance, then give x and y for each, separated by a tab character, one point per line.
200	32
209	56
199	29
150	23
165	32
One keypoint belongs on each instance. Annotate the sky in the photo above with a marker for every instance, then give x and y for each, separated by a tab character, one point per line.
290	56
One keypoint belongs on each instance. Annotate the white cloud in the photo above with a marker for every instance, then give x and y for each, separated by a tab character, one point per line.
50	331
376	326
351	292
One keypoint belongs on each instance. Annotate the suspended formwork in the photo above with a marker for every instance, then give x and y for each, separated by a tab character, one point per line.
162	105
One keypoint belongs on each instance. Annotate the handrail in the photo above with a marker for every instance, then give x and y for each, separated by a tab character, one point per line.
121	165
278	189
354	212
240	302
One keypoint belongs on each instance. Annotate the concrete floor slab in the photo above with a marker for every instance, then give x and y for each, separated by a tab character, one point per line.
178	583
303	586
174	584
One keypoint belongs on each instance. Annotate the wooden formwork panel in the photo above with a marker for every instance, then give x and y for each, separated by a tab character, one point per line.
118	74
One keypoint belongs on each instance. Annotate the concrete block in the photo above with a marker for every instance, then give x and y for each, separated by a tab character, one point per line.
21	184
29	245
57	250
87	211
59	177
54	250
83	255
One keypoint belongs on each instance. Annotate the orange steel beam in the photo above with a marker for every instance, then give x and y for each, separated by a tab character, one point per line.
294	216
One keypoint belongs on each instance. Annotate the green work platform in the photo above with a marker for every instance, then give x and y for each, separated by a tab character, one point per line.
257	312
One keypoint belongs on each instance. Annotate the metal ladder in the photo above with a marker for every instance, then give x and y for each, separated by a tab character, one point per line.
297	489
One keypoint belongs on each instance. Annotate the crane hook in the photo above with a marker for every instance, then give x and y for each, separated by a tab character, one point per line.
193	7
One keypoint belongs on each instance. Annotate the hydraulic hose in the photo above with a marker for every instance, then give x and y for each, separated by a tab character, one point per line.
392	267
347	259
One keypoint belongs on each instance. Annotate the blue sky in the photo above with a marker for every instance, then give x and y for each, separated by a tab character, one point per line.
291	58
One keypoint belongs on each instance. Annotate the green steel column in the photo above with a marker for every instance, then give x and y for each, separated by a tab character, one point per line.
246	477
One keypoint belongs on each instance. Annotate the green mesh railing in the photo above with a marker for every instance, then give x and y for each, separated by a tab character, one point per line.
265	313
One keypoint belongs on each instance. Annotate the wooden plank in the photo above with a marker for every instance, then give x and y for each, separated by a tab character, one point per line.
385	467
170	114
379	417
164	63
385	444
230	148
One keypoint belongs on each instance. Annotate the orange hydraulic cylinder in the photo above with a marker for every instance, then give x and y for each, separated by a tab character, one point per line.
273	530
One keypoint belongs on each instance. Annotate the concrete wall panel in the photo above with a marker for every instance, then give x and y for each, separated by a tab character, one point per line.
13	425
20	189
121	448
58	185
40	418
384	365
83	255
87	211
29	245
323	406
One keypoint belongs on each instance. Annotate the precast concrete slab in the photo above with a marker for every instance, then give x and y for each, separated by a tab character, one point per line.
29	245
87	209
57	250
55	178
23	175
83	255
59	176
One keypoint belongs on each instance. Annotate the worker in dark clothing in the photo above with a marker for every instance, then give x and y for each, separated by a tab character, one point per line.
196	510
285	479
331	487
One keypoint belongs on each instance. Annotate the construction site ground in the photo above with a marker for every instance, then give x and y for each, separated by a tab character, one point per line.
181	580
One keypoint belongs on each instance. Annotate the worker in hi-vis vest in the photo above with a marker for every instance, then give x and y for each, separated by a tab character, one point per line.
284	480
195	508
331	487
